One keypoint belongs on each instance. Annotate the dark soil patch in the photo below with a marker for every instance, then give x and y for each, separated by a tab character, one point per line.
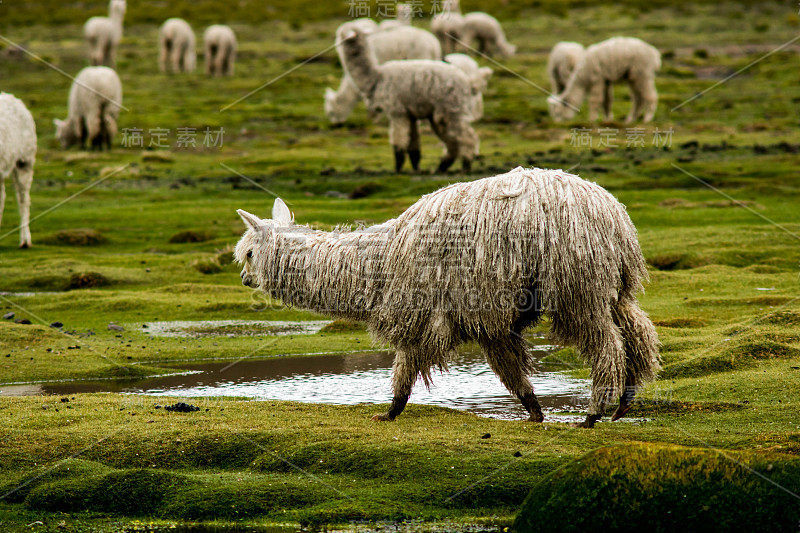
75	237
191	236
87	280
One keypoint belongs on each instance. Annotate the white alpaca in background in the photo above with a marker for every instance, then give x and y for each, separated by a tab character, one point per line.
95	99
17	156
612	61
485	29
103	34
404	13
564	57
478	77
219	44
410	90
447	26
177	46
404	42
523	245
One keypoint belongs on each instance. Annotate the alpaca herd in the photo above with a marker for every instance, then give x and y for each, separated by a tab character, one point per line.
531	242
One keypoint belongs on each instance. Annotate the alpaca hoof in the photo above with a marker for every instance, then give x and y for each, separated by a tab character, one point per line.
384	417
536	417
588	423
621	411
25	245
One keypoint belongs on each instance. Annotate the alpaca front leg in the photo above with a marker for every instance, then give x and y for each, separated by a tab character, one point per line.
414	153
510	362
23	176
608	101
399	137
403	377
596	97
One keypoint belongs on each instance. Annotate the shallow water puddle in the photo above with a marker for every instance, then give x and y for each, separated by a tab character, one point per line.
232	328
346	379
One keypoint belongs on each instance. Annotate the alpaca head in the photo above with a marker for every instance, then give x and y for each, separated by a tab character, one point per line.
260	233
560	110
335	112
65	133
117	8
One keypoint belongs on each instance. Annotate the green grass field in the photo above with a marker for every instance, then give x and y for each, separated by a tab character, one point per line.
712	186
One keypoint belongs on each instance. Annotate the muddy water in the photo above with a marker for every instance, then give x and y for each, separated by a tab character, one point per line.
469	385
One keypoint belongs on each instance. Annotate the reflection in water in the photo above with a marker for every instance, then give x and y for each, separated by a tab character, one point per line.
469	385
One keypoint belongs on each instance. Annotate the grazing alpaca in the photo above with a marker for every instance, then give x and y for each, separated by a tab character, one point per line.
103	34
480	261
562	62
447	26
487	31
177	44
403	42
615	60
219	44
17	156
94	102
407	91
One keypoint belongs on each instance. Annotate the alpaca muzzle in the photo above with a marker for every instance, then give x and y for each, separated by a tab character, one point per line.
248	281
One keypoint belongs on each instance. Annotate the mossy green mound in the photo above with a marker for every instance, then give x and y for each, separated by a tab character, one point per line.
666	488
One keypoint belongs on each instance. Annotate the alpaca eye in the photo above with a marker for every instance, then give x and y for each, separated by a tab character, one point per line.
250	254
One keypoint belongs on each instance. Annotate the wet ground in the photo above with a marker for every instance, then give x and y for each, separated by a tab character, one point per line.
468	385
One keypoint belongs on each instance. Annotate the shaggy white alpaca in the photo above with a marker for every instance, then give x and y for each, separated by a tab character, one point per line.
447	26
177	46
17	156
612	61
410	90
404	13
564	57
95	99
219	43
480	261
103	34
478	77
487	31
399	43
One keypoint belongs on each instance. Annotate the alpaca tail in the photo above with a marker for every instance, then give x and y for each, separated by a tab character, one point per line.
642	359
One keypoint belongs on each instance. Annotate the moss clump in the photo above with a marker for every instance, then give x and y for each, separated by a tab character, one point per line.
75	237
364	190
86	280
207	266
677	261
783	318
342	326
190	236
665	488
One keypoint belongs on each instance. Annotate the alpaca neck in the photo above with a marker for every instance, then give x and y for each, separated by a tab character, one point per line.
575	90
333	274
452	6
116	15
361	64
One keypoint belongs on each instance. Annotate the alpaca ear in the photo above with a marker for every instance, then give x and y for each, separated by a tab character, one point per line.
252	221
350	35
281	213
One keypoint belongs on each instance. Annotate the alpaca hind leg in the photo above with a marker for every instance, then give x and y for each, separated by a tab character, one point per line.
209	57
164	55
511	362
399	137
444	130
404	374
22	176
642	360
